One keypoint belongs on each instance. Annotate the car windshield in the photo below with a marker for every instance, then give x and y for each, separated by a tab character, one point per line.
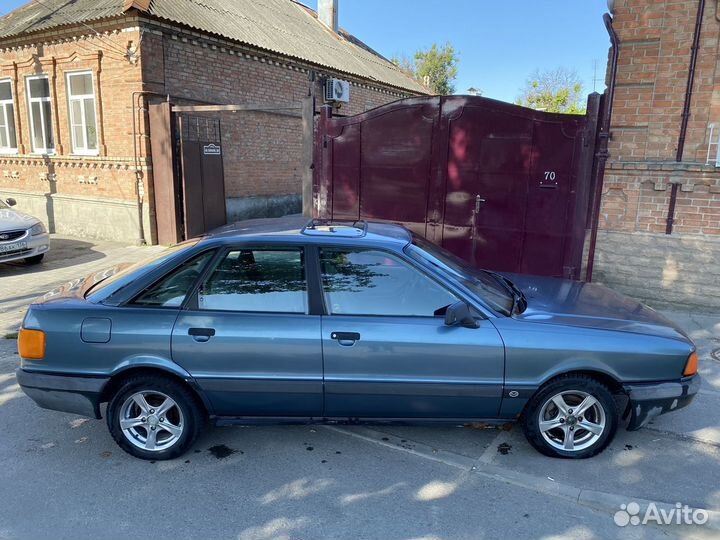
121	275
479	282
3	206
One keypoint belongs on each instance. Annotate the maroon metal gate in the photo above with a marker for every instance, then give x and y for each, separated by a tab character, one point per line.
500	185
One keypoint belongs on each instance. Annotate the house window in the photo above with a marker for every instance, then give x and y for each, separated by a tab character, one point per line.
8	138
40	115
83	122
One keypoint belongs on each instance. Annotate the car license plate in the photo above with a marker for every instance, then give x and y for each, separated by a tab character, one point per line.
15	246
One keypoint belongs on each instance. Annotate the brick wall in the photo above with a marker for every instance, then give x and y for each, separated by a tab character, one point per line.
261	151
656	38
96	195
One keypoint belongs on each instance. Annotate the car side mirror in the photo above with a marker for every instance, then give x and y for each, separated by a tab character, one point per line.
11	201
458	314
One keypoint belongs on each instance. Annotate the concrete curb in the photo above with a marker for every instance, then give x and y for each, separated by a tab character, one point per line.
597	500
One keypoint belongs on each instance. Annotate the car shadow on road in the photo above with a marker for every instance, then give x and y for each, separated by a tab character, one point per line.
64	253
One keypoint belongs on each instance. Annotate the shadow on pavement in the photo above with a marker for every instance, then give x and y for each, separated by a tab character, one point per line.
64	253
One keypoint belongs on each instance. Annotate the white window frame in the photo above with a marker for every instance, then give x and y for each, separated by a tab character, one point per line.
4	112
32	100
80	148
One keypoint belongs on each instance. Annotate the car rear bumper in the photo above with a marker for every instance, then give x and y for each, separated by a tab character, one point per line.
650	400
66	393
26	246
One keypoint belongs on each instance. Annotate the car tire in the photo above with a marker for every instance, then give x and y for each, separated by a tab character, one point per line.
554	427
140	426
35	259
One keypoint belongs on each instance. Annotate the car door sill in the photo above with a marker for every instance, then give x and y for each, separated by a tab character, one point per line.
288	420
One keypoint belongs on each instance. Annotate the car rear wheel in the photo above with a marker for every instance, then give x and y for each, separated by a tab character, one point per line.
571	417
36	259
154	418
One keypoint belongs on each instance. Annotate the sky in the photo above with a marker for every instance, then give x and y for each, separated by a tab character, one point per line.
500	42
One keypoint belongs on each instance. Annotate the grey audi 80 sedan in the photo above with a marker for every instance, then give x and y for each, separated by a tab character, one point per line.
285	321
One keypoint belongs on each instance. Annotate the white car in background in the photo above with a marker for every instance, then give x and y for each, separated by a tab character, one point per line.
22	237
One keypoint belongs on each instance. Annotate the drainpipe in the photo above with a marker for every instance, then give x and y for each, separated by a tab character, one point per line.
686	113
604	139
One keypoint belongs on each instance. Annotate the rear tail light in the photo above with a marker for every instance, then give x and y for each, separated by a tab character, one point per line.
691	366
31	344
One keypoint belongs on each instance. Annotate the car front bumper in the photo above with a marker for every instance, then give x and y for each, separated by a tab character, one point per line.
24	247
646	401
66	393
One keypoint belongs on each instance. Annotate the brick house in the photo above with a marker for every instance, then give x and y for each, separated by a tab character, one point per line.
640	251
76	79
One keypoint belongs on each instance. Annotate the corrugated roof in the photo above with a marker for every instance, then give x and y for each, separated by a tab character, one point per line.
280	26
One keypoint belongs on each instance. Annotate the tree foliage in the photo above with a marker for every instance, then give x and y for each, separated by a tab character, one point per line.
435	67
558	90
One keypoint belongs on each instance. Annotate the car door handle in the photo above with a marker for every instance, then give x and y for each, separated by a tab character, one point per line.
345	338
201	335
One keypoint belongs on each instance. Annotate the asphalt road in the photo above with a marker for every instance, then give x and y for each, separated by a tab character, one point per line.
62	476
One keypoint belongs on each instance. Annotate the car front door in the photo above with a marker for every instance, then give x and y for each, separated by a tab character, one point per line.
248	337
387	351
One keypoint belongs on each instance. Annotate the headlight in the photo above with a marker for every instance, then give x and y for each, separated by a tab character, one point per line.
36	229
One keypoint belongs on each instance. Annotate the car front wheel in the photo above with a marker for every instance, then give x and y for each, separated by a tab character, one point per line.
571	417
154	418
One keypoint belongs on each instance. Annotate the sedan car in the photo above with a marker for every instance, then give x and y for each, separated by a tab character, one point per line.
22	237
273	320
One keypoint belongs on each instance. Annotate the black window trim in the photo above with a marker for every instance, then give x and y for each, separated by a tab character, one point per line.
401	255
191	300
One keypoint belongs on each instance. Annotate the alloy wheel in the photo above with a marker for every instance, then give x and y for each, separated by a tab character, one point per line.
151	420
572	420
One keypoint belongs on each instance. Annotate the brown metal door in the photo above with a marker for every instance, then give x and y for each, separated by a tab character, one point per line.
203	179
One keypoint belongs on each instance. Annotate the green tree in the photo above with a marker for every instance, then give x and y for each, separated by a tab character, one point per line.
557	90
435	67
405	64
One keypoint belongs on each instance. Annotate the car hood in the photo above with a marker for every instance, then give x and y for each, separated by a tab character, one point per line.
575	303
11	220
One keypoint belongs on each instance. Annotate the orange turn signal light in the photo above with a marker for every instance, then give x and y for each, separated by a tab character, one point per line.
692	365
31	344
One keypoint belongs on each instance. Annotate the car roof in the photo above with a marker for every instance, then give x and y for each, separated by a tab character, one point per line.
299	229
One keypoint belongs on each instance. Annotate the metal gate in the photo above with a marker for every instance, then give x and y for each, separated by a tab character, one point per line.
502	186
203	181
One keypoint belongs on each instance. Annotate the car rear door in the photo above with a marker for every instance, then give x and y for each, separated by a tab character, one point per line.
248	338
387	351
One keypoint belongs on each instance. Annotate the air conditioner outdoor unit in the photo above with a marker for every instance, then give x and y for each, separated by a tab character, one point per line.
337	90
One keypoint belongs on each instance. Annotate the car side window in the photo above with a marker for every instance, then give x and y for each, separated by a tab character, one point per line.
257	280
171	290
372	282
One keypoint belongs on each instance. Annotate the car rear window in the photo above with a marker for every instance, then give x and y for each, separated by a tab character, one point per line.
116	278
